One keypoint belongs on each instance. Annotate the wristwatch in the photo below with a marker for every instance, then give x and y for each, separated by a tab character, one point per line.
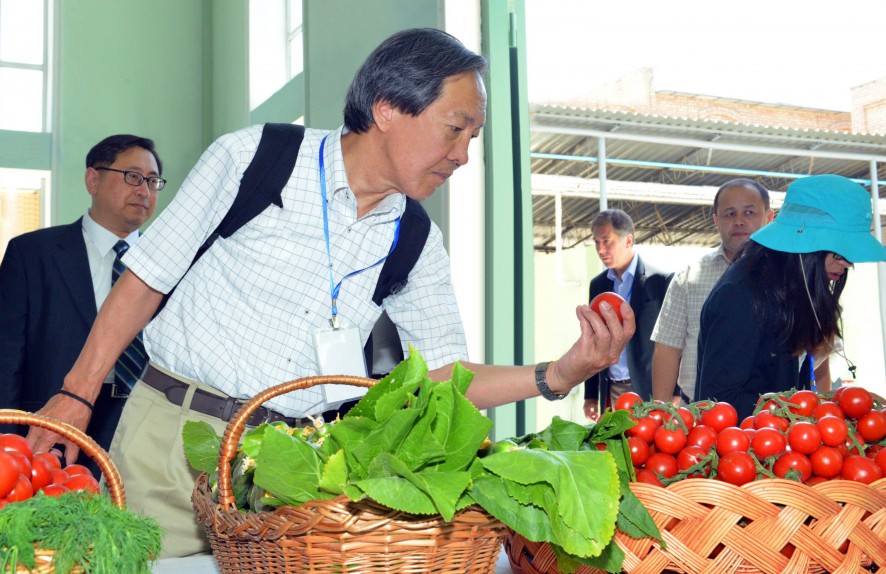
541	381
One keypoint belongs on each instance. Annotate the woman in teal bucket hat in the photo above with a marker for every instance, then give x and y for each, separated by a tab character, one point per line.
780	298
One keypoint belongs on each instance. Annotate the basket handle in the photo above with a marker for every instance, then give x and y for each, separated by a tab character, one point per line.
78	437
234	430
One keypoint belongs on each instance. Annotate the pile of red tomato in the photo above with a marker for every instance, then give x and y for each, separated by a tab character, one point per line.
24	472
800	435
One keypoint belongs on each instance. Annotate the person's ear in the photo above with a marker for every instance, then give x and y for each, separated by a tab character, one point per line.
629	240
91	178
384	114
770	215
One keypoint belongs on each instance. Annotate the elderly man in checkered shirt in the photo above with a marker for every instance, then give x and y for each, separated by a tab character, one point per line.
741	207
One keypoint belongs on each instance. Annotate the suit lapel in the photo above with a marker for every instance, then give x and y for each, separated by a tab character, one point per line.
73	266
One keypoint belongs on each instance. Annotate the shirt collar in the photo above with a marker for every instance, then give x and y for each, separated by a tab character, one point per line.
719	252
628	274
389	208
103	239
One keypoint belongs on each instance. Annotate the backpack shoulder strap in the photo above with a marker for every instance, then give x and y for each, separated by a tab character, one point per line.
415	225
261	185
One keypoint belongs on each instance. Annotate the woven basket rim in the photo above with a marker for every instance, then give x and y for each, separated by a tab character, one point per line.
87	445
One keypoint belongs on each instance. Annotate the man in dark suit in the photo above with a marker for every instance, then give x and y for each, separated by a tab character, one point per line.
53	280
644	287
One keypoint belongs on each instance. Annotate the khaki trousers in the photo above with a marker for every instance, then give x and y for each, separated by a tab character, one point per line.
147	449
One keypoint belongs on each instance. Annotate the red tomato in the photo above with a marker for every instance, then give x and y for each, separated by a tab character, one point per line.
668	440
737	468
747	422
880	459
702	436
850	446
647	476
833	430
55	489
662	463
765	419
856	402
803	403
639	450
872	426
75	469
17	443
836	396
768	404
83	482
691	456
768	442
720	416
826	462
793	461
826	408
804	437
22	461
861	469
732	439
52	460
687	418
8	473
41	473
645	429
59	476
22	490
627	400
614	299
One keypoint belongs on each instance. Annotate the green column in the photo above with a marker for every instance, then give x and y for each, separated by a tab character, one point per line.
509	268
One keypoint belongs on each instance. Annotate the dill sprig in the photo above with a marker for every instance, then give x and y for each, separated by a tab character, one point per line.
84	530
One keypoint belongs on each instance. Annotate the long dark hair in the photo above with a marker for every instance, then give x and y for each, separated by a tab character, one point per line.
778	276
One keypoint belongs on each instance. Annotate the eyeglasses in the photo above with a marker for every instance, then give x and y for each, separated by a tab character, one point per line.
135	179
840	259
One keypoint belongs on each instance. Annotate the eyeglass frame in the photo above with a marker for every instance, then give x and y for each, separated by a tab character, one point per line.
142	178
840	259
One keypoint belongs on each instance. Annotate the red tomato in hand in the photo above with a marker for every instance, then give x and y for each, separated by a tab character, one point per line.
614	299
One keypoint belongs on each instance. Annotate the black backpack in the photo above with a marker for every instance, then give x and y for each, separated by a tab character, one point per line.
262	184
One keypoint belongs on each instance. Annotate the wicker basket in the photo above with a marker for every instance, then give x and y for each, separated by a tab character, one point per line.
769	526
336	535
89	447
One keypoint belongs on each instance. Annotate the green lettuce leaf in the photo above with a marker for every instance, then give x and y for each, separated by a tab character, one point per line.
289	468
202	445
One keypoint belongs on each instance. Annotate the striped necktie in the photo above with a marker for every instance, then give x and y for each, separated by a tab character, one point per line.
132	362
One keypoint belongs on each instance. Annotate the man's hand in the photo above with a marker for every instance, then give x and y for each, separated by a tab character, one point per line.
598	347
67	410
591	409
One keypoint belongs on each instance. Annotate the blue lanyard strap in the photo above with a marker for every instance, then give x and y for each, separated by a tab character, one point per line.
334	287
811	370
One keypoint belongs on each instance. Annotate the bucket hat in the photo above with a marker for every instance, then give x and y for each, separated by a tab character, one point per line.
824	213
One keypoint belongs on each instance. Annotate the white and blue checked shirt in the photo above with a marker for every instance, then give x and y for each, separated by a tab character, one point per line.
678	322
243	318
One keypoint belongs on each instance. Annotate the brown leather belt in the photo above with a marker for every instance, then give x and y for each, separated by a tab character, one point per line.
223	408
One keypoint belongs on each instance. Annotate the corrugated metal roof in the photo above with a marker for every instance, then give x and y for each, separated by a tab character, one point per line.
677	164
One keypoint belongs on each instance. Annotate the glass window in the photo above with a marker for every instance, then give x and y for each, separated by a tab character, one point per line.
21	194
24	65
295	39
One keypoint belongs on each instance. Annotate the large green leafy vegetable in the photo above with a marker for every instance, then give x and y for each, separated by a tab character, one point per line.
419	446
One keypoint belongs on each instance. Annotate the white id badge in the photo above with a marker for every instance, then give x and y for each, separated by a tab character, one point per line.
340	352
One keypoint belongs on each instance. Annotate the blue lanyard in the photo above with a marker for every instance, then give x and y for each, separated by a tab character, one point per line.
811	370
334	287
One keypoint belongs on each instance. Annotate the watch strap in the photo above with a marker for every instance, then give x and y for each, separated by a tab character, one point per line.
541	381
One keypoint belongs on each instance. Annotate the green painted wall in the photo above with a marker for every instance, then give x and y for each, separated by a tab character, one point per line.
509	267
160	69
